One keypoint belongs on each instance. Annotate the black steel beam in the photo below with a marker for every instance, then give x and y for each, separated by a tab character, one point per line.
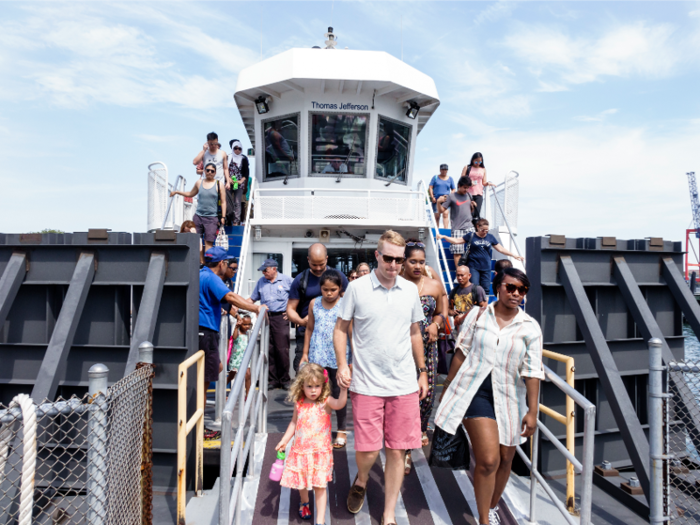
10	282
63	333
681	293
608	374
649	328
147	316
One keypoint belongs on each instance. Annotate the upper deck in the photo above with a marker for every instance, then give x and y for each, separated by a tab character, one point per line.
321	117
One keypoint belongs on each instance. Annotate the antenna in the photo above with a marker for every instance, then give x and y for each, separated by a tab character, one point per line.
261	19
331	39
332	8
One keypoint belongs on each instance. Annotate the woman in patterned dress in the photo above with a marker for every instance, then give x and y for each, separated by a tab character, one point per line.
431	294
318	340
493	387
310	462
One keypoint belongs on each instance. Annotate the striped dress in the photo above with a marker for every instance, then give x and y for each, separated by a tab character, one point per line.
509	355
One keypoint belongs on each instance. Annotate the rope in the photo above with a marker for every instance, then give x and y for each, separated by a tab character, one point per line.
26	501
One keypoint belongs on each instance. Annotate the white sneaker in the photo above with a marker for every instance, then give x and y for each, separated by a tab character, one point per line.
494	518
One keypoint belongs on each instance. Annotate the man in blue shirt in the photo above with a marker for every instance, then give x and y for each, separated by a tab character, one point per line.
212	293
272	290
307	286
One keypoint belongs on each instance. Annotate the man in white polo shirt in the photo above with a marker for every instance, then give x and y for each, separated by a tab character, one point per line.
387	357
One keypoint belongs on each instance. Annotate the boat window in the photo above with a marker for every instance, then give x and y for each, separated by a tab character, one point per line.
338	144
281	137
393	146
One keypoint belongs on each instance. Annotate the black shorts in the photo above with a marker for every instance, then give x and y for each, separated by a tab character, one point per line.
209	342
482	403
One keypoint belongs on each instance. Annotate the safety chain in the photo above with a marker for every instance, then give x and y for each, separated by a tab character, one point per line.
147	453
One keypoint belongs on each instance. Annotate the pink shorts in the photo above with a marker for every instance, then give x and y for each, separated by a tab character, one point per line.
391	421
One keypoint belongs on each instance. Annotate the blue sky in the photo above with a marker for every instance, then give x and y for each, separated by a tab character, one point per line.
594	103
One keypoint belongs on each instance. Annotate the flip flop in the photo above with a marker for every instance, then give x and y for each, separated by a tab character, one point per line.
424	441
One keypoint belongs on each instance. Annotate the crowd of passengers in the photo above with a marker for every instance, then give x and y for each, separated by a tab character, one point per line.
391	335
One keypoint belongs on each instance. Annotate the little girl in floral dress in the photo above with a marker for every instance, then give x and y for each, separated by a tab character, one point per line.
310	462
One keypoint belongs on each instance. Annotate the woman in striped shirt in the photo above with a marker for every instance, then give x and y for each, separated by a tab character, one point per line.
493	387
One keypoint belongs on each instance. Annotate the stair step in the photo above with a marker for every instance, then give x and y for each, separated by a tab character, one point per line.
235	230
234	251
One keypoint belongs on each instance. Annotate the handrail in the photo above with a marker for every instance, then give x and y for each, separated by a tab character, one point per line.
172	198
184	426
585	466
252	410
336	190
510	231
437	246
567	419
246	239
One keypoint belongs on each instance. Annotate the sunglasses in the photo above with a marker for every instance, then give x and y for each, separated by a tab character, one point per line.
237	147
511	288
210	171
388	259
419	244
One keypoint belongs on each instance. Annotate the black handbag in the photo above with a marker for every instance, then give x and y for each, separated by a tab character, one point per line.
463	258
450	451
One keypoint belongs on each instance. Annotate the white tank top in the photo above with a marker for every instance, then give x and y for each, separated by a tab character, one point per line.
217	160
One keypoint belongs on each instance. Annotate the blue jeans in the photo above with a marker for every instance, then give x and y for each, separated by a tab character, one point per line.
482	278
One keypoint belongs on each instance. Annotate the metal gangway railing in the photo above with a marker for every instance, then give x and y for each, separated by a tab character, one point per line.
437	247
252	418
584	467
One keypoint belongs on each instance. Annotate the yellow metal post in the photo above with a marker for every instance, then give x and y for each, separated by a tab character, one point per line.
184	426
569	420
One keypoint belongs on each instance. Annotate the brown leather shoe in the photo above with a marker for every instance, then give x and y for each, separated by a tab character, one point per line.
356	497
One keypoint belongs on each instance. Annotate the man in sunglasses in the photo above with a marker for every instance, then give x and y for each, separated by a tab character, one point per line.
385	310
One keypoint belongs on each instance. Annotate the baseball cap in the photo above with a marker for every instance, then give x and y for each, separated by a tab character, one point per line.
269	263
443	166
215	254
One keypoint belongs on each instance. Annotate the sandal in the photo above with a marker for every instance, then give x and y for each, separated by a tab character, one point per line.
340	441
407	463
304	511
424	441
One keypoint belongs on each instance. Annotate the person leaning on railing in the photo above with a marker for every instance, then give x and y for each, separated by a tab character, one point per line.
493	387
211	193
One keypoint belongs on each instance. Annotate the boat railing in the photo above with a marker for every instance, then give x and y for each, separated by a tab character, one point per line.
501	214
584	467
157	194
339	206
439	250
180	184
252	414
246	238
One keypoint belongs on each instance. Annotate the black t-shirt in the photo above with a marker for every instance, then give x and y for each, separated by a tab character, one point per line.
313	290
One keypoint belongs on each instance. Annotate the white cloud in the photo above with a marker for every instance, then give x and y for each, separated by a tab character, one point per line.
600	117
494	12
593	180
73	57
626	50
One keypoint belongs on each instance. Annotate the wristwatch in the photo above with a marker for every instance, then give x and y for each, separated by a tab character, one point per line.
422	369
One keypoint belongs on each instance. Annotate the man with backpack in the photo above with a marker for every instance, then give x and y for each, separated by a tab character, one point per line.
465	296
306	286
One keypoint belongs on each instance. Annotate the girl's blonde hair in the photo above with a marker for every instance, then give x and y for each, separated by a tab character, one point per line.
308	372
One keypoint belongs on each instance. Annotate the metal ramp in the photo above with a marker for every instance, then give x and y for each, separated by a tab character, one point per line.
428	495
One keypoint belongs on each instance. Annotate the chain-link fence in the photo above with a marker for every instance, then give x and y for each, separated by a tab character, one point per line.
682	421
79	460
